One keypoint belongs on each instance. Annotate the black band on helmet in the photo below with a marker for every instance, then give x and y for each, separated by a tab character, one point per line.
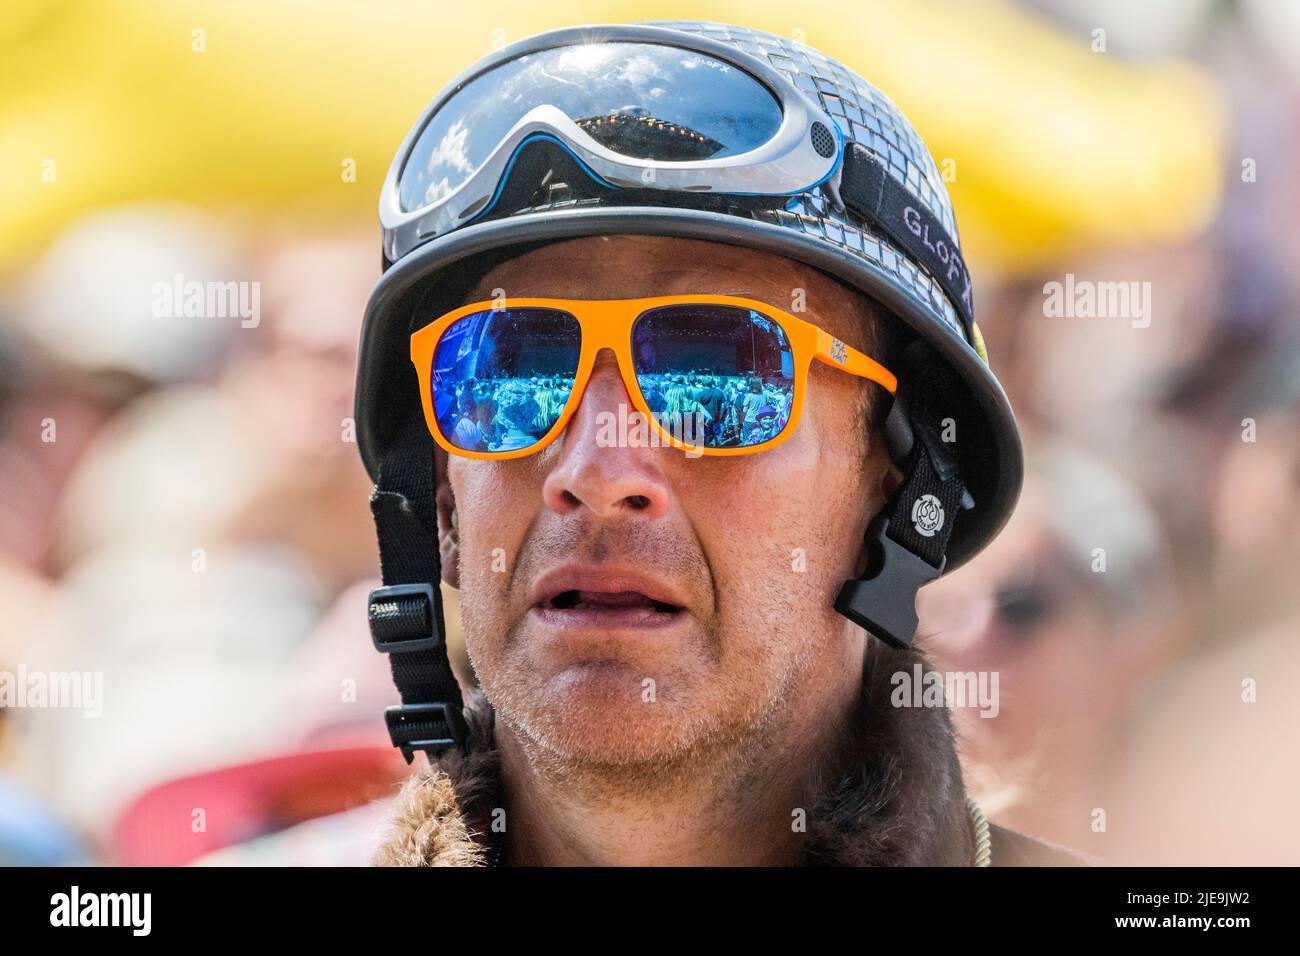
873	195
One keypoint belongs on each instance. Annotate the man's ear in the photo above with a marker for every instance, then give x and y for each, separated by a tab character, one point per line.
882	483
890	481
448	523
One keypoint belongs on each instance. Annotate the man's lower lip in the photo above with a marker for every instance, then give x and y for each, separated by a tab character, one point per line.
606	618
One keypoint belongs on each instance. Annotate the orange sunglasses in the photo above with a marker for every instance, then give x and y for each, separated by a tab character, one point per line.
501	378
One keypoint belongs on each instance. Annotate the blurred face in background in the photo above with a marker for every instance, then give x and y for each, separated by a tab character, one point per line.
1023	611
1265	473
292	385
749	631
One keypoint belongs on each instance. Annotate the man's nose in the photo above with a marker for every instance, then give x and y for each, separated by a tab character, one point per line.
598	468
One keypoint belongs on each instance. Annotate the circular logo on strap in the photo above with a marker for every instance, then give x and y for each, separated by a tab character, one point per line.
927	515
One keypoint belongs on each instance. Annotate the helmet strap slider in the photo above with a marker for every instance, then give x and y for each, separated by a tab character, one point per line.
406	615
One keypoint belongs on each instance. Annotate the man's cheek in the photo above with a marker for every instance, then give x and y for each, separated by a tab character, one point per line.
490	524
483	571
491	607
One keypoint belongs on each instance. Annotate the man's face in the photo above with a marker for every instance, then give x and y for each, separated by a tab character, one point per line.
632	605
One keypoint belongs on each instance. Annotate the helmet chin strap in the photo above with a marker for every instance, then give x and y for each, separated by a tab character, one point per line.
406	615
907	541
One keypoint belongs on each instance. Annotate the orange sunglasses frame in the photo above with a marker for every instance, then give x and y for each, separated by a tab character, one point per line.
607	324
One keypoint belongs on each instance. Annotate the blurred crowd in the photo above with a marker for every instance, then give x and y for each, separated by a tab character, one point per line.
185	514
183	511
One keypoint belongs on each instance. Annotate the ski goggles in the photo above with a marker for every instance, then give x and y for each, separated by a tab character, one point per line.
637	106
710	374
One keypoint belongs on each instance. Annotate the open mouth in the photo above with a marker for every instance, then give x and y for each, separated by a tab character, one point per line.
575	600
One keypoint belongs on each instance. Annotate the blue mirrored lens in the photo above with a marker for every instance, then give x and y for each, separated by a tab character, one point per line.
715	376
502	377
642	100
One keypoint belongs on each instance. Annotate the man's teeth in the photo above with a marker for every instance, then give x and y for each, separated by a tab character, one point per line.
600	600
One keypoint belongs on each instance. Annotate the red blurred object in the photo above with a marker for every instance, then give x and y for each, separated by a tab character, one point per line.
164	826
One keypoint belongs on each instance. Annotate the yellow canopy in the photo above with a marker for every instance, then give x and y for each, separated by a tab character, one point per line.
259	105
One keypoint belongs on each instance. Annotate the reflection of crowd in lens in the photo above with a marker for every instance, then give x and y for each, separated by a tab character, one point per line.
723	410
715	411
503	413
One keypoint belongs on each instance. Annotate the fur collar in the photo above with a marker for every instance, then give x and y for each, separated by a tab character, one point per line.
900	803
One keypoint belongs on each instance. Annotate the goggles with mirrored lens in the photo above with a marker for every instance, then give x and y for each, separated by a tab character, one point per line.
710	374
637	106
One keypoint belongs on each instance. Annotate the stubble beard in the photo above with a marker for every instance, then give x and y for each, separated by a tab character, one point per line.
707	752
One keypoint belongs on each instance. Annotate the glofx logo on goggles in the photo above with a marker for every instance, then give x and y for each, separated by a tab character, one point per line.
638	106
711	374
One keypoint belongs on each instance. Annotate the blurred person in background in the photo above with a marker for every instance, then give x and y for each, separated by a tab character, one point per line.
1209	774
31	833
1074	607
315	794
1255	510
292	394
187	580
49	413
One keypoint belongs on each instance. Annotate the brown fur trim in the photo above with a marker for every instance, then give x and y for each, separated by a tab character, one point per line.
443	813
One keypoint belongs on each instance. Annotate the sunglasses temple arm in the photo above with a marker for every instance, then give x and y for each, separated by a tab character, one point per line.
841	355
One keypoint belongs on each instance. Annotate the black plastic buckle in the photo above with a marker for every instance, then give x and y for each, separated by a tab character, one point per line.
389	624
885	602
432	728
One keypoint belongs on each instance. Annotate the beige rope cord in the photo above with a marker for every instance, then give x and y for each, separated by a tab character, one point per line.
983	845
